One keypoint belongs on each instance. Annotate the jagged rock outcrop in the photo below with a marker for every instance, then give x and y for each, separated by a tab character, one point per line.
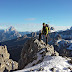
71	28
64	47
5	62
34	34
52	28
35	50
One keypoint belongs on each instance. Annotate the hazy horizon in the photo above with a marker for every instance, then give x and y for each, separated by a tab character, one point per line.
55	27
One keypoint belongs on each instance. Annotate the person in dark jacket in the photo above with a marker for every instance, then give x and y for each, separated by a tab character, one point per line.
44	32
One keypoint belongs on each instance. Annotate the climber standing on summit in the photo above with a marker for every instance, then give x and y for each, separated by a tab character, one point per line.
45	31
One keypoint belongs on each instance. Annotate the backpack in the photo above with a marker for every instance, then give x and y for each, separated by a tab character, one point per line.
48	27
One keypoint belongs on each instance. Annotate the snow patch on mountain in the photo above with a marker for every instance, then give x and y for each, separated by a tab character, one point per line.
63	28
59	40
59	64
70	41
35	61
71	28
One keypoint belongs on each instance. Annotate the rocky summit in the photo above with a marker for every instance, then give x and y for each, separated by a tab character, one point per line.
34	52
6	64
36	56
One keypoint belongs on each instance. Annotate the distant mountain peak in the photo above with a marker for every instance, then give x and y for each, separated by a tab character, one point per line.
71	28
11	28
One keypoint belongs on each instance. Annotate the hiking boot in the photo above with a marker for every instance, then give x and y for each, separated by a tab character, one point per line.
39	39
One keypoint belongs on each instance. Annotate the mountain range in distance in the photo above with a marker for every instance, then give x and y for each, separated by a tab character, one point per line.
11	33
26	46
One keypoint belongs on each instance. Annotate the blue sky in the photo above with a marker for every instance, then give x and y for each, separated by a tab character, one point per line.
28	15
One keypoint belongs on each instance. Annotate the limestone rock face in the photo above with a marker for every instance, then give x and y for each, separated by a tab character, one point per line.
35	50
5	62
34	34
4	52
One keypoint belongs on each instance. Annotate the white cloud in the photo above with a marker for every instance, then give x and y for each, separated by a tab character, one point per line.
30	19
61	27
3	27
